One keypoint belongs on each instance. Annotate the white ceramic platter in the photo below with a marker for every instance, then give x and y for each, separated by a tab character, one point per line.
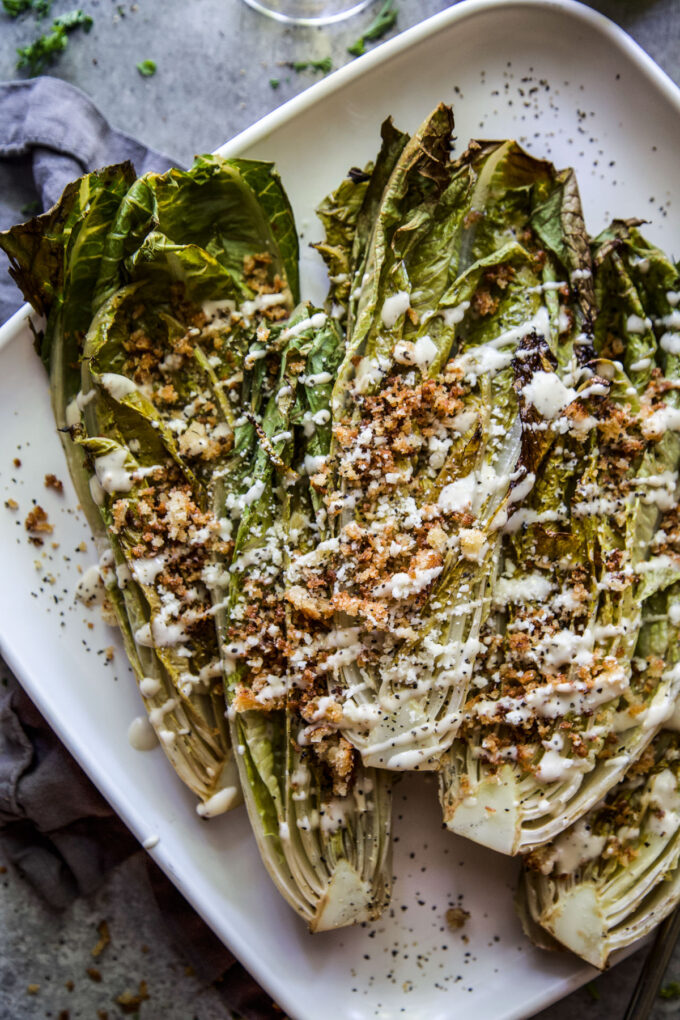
569	85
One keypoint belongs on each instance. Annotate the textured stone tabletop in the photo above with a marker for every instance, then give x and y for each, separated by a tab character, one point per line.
216	64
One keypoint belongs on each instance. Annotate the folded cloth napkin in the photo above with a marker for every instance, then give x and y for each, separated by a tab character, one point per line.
55	827
51	133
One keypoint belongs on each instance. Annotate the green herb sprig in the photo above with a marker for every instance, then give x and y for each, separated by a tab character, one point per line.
38	55
41	8
325	65
385	19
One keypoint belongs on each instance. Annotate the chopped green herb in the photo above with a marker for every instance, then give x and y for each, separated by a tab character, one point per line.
16	7
670	991
73	19
31	208
325	65
593	991
121	10
147	68
39	54
385	19
274	82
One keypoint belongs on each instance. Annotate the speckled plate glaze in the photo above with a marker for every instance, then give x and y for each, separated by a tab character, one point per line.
568	85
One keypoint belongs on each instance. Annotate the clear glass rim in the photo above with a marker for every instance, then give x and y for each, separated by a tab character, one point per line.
322	19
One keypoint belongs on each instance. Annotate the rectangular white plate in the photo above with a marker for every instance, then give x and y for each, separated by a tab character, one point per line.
570	86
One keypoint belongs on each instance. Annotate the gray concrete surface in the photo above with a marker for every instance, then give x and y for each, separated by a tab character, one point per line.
215	61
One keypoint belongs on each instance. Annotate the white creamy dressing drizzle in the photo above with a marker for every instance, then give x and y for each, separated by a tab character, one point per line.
315	379
549	285
141	734
149	686
525	588
471	492
146	569
670	342
315	321
548	394
261	302
403	586
454	316
111	473
637	325
489	358
91	590
218	803
394	306
117	386
313	465
577	846
254	356
217	308
642	365
554	700
663	800
370	371
420	353
664	419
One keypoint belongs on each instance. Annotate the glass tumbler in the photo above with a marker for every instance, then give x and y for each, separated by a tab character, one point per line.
308	12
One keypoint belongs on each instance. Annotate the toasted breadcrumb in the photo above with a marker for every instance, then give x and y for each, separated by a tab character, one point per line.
130	1002
104	939
37	521
52	482
456	917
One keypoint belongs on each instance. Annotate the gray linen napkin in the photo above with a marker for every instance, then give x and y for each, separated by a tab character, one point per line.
55	827
51	133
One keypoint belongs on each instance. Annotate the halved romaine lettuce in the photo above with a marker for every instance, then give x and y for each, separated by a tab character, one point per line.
321	820
180	271
473	273
613	876
559	708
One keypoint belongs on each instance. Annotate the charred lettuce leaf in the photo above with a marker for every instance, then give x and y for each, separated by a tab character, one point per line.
154	290
561	704
612	876
429	451
321	820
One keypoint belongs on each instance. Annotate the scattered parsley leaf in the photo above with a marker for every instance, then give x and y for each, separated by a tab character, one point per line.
31	208
16	7
39	54
593	991
325	65
73	19
274	82
670	991
385	19
147	68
